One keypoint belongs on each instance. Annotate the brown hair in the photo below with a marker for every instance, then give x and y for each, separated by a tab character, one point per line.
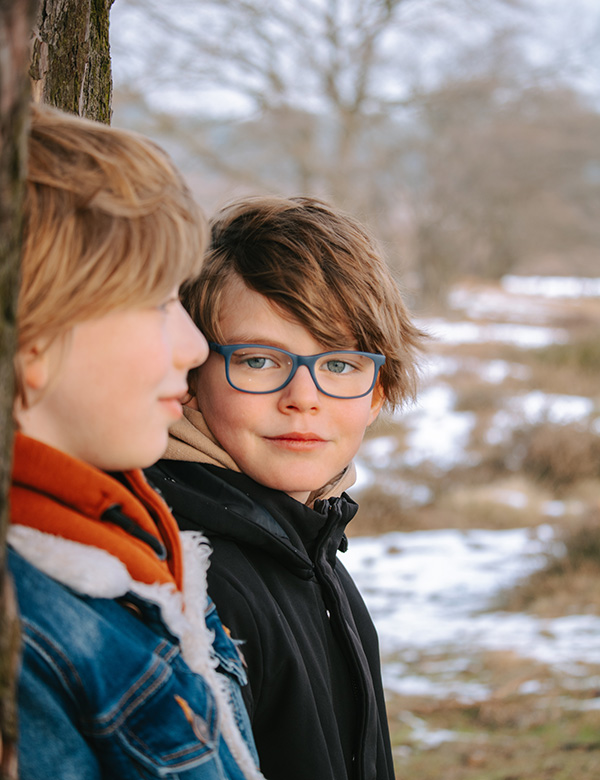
108	224
318	266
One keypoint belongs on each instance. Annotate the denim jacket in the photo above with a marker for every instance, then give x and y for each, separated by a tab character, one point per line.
105	692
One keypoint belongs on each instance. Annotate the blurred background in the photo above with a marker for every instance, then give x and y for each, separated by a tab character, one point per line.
466	135
465	132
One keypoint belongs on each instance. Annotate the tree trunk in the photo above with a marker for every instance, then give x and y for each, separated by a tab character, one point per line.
16	20
70	67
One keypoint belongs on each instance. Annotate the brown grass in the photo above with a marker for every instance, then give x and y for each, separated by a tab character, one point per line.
559	368
563	368
581	355
559	455
509	736
379	513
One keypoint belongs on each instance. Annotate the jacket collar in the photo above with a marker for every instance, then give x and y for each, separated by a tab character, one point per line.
60	495
228	504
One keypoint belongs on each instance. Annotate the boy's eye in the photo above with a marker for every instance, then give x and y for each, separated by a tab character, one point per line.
338	367
257	362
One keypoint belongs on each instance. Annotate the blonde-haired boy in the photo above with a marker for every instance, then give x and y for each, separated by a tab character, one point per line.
309	338
118	680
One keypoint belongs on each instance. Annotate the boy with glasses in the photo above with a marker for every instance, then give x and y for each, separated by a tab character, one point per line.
309	338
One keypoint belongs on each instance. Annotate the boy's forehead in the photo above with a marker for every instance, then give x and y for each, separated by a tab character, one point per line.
245	312
247	316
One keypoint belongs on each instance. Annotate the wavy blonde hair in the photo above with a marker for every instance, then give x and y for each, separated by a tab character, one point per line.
318	266
108	223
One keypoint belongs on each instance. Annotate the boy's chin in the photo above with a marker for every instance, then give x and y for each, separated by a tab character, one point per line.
307	486
147	456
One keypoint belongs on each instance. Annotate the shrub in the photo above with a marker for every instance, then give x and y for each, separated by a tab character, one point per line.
581	544
379	513
569	583
582	355
559	455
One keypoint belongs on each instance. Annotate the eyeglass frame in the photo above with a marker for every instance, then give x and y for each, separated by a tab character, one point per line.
309	361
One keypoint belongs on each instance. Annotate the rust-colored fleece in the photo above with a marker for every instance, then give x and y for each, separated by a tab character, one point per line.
60	495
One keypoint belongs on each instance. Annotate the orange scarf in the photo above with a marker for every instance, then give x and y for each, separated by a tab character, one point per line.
60	495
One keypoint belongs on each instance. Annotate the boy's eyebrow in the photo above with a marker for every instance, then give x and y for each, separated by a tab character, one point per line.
245	338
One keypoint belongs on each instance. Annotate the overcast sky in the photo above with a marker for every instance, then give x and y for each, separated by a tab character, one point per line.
560	32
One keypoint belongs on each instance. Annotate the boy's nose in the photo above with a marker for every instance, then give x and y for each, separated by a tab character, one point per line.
301	393
191	346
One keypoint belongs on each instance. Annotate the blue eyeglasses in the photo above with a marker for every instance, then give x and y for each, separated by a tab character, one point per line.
256	368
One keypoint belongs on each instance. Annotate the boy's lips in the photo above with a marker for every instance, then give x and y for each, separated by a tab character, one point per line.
297	441
176	395
297	437
173	402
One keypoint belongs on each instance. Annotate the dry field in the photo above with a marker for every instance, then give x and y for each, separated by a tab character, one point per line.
514	443
547	454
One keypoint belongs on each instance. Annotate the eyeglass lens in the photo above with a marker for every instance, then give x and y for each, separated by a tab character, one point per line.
260	370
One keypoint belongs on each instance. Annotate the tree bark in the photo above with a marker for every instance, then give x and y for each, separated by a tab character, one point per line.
16	20
70	66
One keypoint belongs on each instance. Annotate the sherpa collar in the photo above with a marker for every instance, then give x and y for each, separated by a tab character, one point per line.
71	543
97	573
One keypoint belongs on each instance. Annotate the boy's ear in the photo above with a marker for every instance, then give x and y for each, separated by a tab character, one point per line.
35	366
377	401
189	398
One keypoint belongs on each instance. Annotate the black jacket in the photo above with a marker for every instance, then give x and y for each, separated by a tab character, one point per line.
315	695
